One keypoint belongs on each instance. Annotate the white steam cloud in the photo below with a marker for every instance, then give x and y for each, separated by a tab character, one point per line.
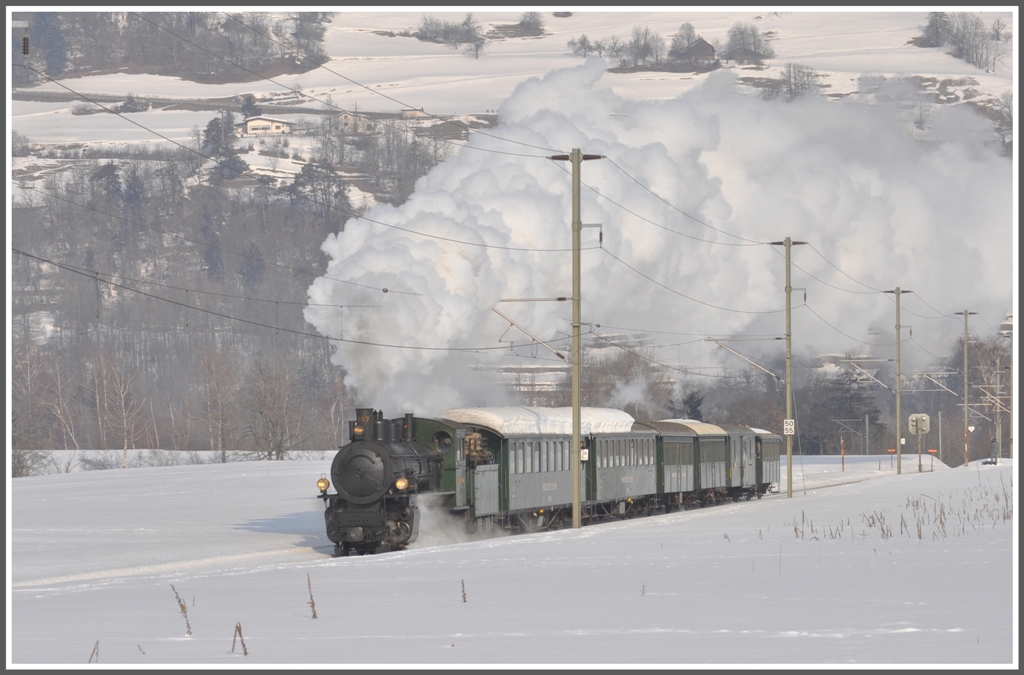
933	216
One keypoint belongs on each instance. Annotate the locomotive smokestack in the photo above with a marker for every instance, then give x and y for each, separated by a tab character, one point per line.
407	430
381	429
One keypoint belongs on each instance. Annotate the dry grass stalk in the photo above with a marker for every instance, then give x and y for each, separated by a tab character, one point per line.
463	590
238	638
184	610
312	604
95	652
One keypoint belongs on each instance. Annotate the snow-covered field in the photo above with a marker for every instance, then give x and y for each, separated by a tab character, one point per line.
860	567
373	72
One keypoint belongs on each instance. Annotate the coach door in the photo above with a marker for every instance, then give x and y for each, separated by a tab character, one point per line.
749	460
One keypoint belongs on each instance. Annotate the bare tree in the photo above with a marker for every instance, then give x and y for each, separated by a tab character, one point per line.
27	413
794	82
59	396
640	46
747	36
614	47
125	406
218	373
580	46
531	21
272	407
682	41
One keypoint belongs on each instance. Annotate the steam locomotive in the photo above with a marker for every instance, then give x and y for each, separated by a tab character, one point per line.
509	468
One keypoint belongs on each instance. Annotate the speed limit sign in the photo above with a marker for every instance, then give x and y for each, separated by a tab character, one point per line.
789	427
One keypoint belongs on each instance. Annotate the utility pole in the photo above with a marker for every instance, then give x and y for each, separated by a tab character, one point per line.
867	437
899	418
577	227
998	415
967	443
789	425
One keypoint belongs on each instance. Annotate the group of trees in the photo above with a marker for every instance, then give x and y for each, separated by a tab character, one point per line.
187	44
644	48
747	36
451	33
222	407
469	33
967	38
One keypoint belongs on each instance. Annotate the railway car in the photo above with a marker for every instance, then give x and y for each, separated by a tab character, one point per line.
676	464
768	450
711	459
510	468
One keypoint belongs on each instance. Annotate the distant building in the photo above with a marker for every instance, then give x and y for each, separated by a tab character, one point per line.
354	123
700	51
262	126
1006	327
412	113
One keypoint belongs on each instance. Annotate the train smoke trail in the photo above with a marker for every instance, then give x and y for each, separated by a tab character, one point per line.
889	210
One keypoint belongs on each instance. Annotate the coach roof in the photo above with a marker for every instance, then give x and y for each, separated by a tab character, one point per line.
526	421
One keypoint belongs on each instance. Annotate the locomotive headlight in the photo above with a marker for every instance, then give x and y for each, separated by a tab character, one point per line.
358	431
323	484
402	483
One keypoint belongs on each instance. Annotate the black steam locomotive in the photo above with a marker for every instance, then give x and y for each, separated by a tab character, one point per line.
509	468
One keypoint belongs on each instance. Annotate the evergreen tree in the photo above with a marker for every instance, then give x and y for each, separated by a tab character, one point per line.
249	107
47	34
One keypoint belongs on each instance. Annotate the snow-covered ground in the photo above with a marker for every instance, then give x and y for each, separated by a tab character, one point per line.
861	566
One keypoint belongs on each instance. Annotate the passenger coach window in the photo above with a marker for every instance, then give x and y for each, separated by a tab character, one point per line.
558	455
544	455
519	458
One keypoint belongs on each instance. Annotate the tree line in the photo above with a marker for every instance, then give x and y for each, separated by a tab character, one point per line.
211	46
644	48
967	37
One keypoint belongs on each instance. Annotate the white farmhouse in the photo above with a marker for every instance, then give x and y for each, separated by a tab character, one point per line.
262	126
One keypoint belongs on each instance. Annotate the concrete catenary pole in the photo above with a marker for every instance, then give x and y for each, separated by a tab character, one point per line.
899	381
789	243
576	158
967	454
